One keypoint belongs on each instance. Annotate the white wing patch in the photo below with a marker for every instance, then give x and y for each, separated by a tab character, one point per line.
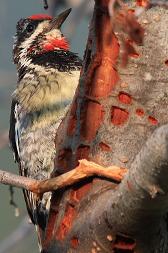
17	128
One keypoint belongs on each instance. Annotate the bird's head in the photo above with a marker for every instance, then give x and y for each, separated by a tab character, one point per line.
38	34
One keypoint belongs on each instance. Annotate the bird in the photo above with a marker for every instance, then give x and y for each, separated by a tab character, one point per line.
48	74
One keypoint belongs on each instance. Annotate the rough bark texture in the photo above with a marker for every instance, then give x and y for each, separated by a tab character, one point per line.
112	120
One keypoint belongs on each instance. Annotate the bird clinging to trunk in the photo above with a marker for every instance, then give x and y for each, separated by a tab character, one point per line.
48	74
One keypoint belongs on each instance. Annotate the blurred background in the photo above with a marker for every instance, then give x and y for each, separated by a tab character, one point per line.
16	234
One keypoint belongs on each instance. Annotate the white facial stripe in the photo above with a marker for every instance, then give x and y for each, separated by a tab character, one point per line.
55	33
17	128
25	45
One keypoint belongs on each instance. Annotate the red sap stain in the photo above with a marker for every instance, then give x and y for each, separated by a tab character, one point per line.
50	227
140	112
152	120
119	116
143	3
166	62
131	11
92	120
104	76
129	47
79	192
104	147
134	55
104	82
124	98
66	223
74	242
71	126
123	244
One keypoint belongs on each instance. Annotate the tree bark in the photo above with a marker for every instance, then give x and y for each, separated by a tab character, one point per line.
117	117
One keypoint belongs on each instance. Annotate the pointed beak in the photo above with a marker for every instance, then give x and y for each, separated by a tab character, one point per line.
57	22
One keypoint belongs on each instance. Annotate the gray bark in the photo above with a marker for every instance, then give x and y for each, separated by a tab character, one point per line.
138	207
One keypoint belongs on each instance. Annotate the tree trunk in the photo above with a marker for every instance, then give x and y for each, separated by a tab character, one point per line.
118	117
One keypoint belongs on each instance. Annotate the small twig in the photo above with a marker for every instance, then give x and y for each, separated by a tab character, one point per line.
85	169
15	180
45	4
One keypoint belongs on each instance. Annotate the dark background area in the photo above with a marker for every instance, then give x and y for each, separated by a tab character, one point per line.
10	13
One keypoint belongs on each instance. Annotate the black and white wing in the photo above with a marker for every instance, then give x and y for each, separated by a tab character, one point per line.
12	131
14	137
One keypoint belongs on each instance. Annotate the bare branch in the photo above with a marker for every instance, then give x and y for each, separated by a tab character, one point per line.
45	4
15	180
84	170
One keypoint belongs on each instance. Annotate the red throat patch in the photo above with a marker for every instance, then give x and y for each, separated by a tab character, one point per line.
40	16
53	44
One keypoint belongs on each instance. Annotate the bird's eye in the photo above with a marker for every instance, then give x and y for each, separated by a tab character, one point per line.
30	28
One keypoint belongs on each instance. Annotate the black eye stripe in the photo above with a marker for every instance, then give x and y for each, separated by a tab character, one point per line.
21	31
24	29
29	24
